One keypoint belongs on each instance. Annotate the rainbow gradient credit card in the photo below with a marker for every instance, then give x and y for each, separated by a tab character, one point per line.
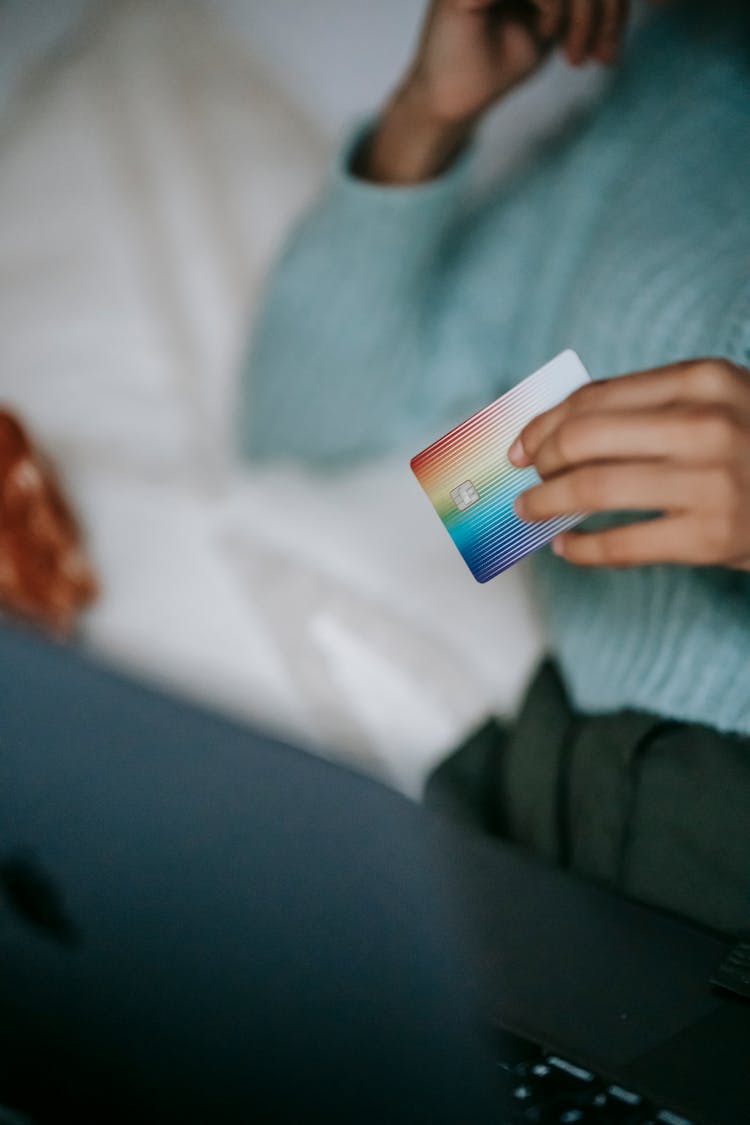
472	485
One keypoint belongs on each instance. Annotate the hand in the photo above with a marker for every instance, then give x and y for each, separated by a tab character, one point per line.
471	53
674	440
44	575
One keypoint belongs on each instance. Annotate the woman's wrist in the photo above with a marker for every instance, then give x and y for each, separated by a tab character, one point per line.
411	143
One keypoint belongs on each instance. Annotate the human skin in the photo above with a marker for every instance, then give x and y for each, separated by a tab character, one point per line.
470	54
674	440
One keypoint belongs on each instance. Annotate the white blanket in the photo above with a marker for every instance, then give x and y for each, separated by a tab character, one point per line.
145	181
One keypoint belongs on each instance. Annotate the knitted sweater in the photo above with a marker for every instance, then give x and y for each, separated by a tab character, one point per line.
395	312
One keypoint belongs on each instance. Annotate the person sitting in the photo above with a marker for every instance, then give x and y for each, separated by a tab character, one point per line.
394	306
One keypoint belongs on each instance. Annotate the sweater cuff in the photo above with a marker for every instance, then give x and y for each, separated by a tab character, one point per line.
429	191
399	223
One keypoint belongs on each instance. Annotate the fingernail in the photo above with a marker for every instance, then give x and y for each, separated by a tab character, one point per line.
519	505
557	545
517	453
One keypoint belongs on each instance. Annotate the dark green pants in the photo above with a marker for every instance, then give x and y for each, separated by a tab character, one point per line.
658	810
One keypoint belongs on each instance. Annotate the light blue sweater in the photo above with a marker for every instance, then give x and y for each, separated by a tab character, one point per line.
395	312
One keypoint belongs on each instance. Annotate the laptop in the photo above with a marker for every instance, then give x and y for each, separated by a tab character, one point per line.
199	923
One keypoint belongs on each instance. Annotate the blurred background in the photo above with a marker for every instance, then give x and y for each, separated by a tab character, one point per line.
152	155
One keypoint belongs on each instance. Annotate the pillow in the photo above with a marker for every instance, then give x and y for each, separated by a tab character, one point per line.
144	186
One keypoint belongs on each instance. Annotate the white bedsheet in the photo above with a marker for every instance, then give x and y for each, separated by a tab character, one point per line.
144	184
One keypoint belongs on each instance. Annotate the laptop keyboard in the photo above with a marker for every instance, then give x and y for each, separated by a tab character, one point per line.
549	1089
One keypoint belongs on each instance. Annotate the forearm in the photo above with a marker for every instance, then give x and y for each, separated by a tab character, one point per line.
411	142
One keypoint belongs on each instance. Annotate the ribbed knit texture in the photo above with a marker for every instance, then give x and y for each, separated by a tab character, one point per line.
394	313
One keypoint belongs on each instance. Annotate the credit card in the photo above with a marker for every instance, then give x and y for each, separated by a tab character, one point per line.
472	485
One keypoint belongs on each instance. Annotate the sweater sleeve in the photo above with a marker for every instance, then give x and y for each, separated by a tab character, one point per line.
356	348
